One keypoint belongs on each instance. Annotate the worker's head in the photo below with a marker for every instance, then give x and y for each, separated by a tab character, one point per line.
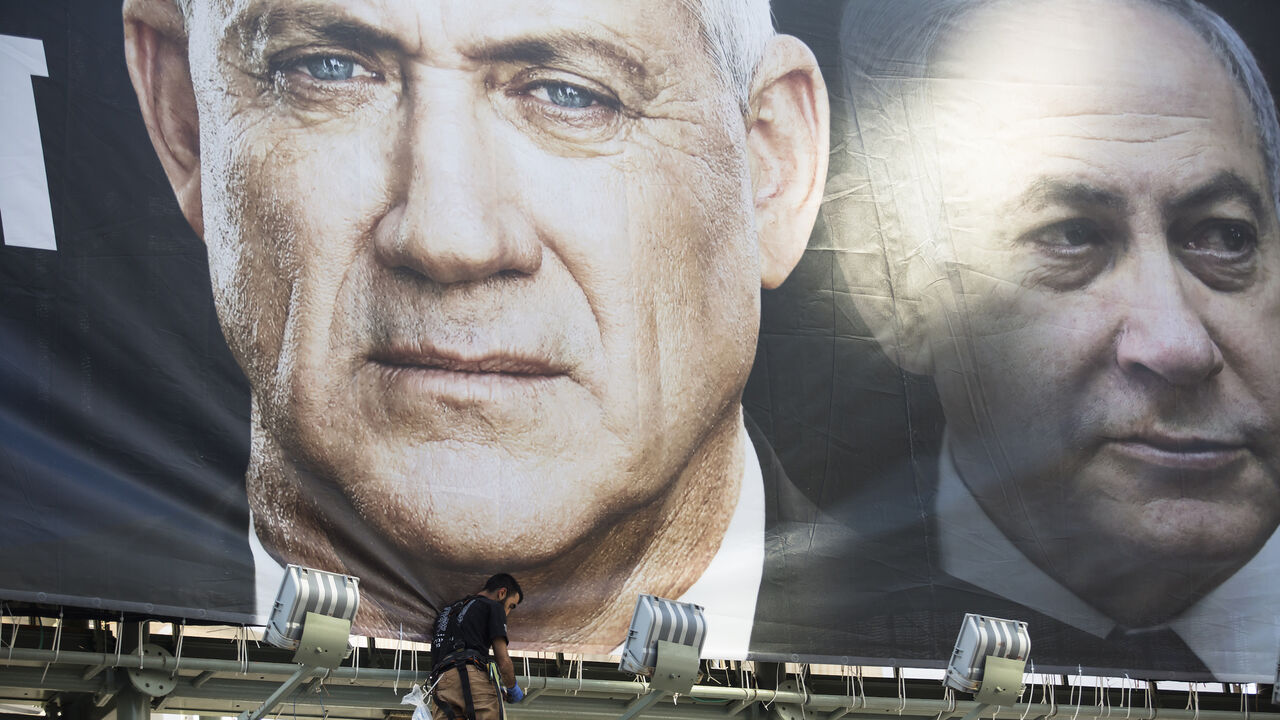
504	589
485	265
1065	213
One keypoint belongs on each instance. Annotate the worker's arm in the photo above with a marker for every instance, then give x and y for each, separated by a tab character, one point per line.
505	667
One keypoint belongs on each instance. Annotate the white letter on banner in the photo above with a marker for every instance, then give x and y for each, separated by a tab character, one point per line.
24	188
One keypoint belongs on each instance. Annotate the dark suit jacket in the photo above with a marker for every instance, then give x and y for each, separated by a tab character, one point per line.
832	593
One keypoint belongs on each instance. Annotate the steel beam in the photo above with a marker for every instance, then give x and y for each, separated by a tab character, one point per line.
301	675
641	704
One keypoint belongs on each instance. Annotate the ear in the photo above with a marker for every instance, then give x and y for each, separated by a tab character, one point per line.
155	45
787	140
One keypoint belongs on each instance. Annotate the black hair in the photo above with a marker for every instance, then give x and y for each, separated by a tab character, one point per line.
503	580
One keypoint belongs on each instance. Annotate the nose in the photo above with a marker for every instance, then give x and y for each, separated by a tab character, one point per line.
456	214
1163	333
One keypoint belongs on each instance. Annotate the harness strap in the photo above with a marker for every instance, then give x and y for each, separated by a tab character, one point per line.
446	708
466	690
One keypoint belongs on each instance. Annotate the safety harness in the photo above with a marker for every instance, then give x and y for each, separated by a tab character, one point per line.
448	634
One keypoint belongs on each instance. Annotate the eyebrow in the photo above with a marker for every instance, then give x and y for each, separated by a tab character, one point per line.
560	47
1226	185
1052	191
335	26
253	30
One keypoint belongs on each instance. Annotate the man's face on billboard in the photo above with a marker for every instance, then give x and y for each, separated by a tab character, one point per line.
1115	397
492	272
483	269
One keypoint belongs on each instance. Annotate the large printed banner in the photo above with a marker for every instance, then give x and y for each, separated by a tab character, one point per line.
915	308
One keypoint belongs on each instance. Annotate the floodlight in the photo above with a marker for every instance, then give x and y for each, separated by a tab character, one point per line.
664	643
988	660
315	600
312	616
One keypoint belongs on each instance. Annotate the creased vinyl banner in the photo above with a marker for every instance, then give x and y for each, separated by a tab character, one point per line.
421	292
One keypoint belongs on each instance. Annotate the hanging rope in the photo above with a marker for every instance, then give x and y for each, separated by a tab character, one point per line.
242	649
949	697
13	637
398	659
1026	708
119	638
180	631
1072	696
57	646
902	691
355	662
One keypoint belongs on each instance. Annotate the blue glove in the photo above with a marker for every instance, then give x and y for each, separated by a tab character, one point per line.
514	693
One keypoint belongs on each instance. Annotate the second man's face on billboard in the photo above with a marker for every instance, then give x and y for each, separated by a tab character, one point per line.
1117	270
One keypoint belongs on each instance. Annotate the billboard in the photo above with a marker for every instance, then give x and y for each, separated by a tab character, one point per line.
914	309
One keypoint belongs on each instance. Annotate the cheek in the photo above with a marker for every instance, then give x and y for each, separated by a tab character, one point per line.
283	238
1019	365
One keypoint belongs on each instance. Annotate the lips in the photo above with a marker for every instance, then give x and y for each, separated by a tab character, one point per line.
487	362
1183	452
413	379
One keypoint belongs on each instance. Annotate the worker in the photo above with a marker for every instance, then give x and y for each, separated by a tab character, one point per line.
464	633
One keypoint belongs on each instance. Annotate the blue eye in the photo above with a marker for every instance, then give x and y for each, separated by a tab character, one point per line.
330	67
568	96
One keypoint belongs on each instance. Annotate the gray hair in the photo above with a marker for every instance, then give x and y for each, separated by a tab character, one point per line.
895	39
884	196
735	33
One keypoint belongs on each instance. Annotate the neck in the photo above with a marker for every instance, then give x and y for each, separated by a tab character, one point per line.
582	598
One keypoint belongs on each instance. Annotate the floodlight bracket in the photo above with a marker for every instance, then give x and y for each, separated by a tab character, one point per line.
322	647
675	668
1001	681
324	641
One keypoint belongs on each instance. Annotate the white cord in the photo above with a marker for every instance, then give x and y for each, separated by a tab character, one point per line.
177	662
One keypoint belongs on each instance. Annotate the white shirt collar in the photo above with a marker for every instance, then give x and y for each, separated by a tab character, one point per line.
1233	630
727	589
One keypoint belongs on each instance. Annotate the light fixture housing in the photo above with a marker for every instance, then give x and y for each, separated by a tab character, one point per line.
989	658
304	595
664	642
312	616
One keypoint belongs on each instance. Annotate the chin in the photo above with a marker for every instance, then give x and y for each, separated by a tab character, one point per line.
1197	532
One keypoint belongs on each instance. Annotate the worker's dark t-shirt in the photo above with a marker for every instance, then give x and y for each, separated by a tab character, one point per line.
470	623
